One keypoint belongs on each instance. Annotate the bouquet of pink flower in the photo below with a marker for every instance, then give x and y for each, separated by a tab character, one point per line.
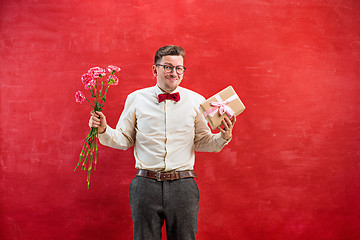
94	82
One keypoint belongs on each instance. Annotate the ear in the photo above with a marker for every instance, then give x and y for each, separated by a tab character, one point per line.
154	71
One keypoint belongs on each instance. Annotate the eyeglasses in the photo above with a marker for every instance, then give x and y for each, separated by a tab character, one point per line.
169	68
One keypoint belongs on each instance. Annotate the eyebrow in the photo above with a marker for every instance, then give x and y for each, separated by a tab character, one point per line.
166	63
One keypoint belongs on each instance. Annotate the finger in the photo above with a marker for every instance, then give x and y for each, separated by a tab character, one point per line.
226	127
233	120
95	119
221	130
92	123
94	114
100	114
228	122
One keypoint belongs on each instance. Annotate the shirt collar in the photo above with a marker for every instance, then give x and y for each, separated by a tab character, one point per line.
159	91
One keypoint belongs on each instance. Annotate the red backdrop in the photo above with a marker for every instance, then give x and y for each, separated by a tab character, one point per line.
292	170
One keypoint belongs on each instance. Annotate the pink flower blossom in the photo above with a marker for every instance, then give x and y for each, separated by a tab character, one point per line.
97	71
79	97
88	80
111	68
90	84
113	80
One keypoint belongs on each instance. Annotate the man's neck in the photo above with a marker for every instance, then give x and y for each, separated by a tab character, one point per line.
164	90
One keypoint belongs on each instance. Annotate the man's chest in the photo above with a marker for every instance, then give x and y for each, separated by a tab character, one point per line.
167	116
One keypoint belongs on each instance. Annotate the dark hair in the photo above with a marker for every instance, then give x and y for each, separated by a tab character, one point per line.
169	50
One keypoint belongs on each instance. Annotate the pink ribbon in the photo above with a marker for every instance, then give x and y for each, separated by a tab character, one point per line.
221	106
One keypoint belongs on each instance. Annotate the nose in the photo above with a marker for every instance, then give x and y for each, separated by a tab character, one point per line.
173	71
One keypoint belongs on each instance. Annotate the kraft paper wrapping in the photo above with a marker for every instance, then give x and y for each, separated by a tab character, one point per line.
234	102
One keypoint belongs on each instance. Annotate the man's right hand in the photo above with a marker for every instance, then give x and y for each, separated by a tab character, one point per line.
98	120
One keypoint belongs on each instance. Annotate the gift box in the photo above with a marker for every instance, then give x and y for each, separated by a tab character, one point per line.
224	103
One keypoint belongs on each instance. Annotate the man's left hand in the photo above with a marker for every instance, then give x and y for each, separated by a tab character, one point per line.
226	132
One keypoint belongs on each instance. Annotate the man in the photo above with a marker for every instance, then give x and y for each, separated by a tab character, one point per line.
165	126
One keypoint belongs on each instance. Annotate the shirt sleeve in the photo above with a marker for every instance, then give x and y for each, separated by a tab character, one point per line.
205	140
123	136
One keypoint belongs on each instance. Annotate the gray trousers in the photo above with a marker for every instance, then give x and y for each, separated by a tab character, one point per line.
153	202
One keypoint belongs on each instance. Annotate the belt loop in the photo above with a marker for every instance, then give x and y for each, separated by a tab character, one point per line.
158	176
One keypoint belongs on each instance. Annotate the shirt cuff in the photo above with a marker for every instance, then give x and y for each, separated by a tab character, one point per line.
221	141
106	134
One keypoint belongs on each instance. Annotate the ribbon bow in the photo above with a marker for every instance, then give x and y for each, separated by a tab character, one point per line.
172	96
221	106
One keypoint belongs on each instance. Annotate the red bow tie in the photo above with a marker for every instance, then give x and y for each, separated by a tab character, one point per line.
172	96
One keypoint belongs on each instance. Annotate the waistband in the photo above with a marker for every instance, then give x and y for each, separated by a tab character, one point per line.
166	176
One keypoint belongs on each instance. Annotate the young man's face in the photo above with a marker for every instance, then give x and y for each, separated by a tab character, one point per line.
168	82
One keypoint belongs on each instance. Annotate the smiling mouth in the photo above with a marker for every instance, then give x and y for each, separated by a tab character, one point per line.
173	79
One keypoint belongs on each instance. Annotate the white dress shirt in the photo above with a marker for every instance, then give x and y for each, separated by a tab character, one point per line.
165	134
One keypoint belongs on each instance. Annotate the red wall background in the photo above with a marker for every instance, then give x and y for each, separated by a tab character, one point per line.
292	170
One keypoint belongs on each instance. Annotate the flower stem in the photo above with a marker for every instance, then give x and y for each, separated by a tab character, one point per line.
102	85
89	102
